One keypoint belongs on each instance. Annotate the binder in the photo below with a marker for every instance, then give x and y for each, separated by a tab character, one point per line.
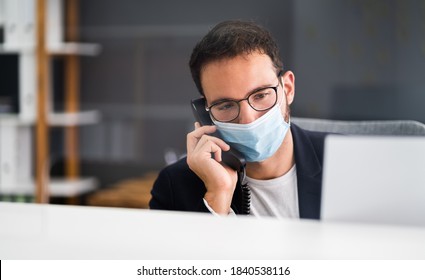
12	19
9	83
15	156
1	21
19	23
27	25
55	23
1	12
8	159
24	162
28	88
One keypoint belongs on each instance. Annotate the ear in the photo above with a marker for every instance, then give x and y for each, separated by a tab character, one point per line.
288	80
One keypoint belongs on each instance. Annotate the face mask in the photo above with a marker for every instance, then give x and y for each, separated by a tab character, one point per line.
259	139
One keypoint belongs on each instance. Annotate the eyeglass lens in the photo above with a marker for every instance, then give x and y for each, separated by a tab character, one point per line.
228	110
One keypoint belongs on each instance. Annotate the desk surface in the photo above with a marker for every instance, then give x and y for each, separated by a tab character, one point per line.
31	231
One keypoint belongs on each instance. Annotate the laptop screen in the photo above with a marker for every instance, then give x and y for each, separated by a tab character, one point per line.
374	179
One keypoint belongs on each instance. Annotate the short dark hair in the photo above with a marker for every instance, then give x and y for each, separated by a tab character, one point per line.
229	39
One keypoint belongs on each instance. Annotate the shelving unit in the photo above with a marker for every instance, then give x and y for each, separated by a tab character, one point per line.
34	31
58	49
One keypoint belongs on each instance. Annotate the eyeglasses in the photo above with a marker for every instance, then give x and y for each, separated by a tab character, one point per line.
228	110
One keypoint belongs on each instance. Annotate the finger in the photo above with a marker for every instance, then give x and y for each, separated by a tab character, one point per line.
207	139
207	146
194	136
216	151
210	147
205	129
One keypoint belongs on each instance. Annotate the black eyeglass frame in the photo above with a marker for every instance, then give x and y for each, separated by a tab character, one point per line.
208	109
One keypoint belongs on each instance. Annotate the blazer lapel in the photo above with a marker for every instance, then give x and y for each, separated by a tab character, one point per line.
309	172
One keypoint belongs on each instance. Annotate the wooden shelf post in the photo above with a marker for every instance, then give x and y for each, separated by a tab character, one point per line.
72	88
42	130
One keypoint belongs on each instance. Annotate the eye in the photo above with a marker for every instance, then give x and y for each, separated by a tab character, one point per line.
261	95
225	106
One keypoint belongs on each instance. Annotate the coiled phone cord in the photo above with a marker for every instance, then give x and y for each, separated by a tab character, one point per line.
246	199
246	194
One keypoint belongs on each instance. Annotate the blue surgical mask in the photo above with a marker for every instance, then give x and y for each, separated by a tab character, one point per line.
259	139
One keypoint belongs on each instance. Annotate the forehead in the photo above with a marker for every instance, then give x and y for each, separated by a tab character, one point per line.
234	77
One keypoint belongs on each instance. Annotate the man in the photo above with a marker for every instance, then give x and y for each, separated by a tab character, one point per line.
237	68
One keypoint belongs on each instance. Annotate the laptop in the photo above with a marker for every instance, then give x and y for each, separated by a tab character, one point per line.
374	179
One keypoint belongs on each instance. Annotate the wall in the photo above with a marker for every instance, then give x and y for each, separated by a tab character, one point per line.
141	82
360	59
353	59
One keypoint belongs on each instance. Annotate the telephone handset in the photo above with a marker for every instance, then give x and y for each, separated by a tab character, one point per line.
232	157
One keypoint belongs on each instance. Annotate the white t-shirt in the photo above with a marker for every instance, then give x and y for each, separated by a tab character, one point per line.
277	197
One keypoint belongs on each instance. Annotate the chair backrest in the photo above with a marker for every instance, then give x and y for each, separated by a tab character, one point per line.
398	127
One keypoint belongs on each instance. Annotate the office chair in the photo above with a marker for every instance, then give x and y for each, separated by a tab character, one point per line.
397	127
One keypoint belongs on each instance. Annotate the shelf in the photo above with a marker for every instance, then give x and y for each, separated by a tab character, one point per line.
57	187
16	48
55	34
69	188
74	48
74	119
15	120
87	49
55	119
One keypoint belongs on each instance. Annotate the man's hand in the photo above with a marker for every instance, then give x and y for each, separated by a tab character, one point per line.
219	179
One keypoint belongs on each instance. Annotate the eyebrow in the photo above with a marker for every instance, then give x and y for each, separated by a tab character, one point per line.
246	95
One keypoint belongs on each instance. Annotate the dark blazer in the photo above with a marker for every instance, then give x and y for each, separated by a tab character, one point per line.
178	188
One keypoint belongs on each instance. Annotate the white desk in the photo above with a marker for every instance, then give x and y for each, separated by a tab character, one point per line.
31	231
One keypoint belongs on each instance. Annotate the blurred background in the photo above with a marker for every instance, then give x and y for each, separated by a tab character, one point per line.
352	59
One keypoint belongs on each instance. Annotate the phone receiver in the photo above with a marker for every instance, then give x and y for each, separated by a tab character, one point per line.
232	157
